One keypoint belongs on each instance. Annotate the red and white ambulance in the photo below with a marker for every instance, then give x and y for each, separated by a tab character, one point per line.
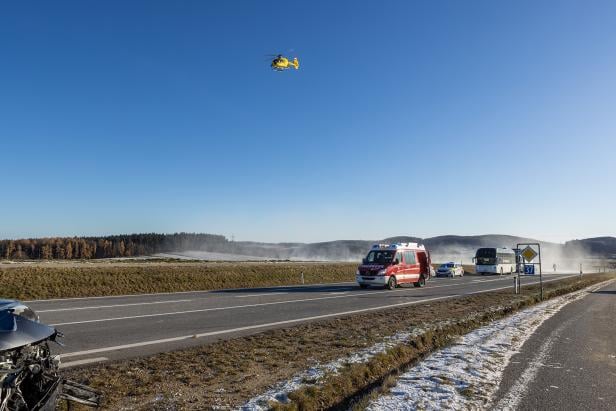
390	265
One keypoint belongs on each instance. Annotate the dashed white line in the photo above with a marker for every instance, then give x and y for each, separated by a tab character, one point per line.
181	292
201	310
265	325
260	305
249	327
511	400
94	307
258	295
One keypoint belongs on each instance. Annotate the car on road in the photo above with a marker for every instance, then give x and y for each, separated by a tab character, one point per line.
450	269
391	265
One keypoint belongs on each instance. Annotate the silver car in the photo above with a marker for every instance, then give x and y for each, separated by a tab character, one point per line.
450	269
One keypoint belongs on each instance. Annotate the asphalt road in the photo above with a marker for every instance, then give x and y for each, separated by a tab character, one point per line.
570	361
103	328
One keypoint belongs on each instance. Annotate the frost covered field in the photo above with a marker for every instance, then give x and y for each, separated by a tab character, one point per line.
467	374
209	256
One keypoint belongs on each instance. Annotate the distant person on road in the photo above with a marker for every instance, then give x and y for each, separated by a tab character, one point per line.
554	267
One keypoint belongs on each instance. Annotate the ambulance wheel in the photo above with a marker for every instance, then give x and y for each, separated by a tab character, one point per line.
421	282
391	284
363	286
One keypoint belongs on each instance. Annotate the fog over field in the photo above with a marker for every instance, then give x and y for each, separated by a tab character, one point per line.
462	249
209	256
215	247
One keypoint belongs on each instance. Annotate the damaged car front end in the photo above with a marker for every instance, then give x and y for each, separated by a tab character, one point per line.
29	373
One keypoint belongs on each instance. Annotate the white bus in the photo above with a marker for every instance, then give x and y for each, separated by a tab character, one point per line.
493	260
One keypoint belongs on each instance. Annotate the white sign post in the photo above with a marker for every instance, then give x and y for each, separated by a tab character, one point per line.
529	253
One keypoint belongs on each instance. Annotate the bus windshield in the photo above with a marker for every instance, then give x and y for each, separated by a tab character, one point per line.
379	257
486	256
486	253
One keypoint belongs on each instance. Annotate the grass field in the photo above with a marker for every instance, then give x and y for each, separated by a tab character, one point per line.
227	373
64	279
27	281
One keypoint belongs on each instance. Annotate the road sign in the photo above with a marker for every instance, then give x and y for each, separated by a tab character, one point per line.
529	254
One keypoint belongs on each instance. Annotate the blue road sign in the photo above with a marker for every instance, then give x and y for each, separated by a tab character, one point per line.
529	269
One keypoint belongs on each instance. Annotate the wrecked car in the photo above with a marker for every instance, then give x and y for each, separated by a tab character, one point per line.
29	373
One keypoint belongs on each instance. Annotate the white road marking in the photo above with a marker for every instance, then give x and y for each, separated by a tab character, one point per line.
476	361
183	292
258	295
109	306
511	400
257	326
249	327
266	304
207	309
516	393
524	284
82	362
198	291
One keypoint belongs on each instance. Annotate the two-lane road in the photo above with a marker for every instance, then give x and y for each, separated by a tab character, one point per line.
102	328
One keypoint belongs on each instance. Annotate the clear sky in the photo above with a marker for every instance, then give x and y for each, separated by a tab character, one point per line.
406	117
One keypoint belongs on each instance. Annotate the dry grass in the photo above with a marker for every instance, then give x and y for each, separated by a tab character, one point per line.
227	373
83	280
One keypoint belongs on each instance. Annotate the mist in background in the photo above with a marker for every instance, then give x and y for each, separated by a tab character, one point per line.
567	257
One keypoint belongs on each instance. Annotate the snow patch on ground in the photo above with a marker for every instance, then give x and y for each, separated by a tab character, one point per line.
314	375
467	374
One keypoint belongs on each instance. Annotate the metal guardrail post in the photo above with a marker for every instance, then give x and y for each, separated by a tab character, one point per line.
580	271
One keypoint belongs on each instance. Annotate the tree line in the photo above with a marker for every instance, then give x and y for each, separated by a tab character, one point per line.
128	245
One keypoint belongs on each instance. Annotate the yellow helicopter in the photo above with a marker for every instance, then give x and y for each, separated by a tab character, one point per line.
281	63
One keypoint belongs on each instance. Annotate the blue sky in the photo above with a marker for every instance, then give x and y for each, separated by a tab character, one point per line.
419	118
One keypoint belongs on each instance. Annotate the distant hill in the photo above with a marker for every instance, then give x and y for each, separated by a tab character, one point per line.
448	247
442	248
598	246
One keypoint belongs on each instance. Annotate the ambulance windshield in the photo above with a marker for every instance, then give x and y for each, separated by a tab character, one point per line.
380	257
